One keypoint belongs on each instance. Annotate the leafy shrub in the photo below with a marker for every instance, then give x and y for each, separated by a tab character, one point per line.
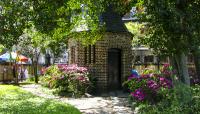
30	79
151	86
161	93
183	100
69	79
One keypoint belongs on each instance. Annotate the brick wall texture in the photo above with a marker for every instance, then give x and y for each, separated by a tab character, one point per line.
98	62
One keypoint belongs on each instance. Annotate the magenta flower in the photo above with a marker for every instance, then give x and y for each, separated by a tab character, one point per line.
74	68
166	83
166	65
138	94
153	85
162	79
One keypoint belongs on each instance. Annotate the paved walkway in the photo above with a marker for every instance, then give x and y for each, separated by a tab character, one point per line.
92	105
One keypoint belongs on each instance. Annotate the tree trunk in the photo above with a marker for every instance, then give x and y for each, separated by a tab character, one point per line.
37	54
196	54
35	72
32	67
182	68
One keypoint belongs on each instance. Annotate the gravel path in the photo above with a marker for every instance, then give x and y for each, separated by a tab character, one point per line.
92	105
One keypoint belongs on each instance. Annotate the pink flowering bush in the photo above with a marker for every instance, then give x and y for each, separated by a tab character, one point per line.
150	86
70	79
162	92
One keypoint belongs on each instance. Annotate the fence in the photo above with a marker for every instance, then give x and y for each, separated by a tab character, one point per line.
7	73
141	67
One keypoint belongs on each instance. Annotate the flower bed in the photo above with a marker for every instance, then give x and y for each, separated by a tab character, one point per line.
162	93
67	79
150	86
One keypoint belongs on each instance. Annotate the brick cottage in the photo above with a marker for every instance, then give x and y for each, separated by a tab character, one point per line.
109	60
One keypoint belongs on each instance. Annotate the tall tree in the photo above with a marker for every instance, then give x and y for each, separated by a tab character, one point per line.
169	30
32	44
14	15
194	42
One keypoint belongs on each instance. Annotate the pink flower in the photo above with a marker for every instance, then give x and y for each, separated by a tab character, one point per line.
80	78
153	85
138	94
166	83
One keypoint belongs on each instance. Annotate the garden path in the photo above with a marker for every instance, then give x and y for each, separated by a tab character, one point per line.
90	105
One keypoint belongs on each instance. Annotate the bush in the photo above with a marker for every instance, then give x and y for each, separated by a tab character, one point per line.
161	93
67	79
30	79
151	86
183	100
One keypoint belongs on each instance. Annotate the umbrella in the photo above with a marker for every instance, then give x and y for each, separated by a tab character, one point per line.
6	56
22	58
14	56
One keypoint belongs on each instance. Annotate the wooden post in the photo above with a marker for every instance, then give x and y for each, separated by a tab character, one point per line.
3	73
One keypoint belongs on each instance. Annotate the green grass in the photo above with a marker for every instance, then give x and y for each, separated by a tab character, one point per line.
13	100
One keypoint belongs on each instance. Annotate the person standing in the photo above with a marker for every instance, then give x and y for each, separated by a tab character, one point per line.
25	73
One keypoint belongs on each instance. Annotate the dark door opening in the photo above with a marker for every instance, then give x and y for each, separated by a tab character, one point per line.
114	69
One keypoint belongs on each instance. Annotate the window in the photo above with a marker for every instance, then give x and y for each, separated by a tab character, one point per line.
148	59
85	50
73	54
94	54
90	54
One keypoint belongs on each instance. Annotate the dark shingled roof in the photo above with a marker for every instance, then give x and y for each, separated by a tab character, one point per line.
113	21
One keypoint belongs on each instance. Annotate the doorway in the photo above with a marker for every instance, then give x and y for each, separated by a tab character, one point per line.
114	69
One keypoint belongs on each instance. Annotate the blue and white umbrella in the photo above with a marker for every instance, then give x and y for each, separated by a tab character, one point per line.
8	56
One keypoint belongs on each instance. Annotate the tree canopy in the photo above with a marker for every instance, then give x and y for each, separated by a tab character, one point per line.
54	18
172	29
14	15
172	25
